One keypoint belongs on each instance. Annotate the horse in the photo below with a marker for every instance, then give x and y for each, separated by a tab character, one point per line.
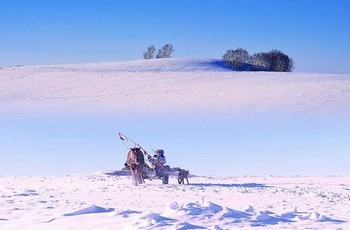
136	163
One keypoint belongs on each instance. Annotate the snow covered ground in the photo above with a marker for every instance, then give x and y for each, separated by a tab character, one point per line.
174	89
170	87
101	201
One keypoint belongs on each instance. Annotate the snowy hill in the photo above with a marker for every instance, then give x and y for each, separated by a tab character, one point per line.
170	86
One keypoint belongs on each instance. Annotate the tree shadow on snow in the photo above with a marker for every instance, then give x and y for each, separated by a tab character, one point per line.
220	63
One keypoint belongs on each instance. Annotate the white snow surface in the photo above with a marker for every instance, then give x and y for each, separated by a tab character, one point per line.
170	86
101	201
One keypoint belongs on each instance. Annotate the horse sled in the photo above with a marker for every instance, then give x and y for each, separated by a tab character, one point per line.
154	169
162	174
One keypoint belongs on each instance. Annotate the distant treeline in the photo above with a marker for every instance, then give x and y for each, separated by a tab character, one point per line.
238	59
275	60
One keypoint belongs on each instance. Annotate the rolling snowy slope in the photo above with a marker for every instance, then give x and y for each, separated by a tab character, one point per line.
170	86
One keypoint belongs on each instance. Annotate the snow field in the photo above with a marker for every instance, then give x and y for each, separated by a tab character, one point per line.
102	201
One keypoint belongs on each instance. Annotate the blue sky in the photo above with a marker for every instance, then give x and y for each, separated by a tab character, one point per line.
315	33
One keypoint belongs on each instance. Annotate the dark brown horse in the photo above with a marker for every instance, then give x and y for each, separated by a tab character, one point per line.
136	163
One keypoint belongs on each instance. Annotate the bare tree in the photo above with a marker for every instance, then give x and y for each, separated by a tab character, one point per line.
274	60
236	58
149	54
261	60
280	62
165	51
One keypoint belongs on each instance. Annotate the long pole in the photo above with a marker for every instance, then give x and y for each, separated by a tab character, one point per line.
125	138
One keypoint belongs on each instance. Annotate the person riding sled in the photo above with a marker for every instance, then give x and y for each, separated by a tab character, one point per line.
158	160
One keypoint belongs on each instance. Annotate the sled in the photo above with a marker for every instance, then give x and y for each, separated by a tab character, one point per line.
162	173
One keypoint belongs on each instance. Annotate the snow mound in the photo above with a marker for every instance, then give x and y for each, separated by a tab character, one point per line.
90	210
173	205
185	225
28	192
127	213
234	214
156	218
320	217
198	209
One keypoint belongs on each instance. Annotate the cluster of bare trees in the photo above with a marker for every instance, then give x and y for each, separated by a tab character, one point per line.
164	52
274	60
238	59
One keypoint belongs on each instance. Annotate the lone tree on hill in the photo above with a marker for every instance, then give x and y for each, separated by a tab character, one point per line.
165	51
149	54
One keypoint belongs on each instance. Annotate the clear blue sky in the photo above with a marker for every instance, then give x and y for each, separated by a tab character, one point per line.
315	33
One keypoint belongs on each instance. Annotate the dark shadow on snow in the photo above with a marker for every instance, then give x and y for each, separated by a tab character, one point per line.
220	63
186	225
119	173
270	221
90	210
247	185
269	218
328	219
127	213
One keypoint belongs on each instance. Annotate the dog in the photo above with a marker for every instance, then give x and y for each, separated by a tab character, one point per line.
183	174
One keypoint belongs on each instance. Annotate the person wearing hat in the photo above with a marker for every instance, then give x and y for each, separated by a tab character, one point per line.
158	160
